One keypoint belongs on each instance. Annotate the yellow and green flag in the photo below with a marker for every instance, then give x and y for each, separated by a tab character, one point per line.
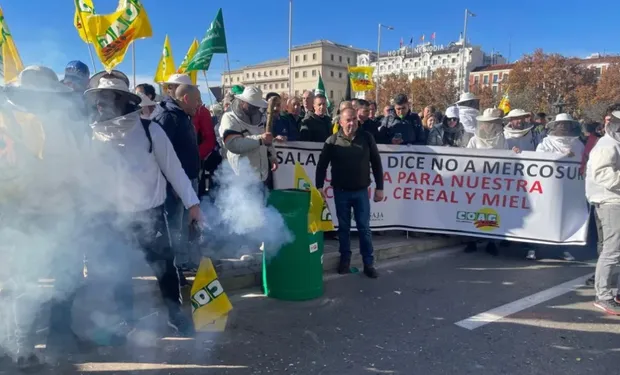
9	57
112	33
504	104
165	68
83	10
210	304
193	74
319	218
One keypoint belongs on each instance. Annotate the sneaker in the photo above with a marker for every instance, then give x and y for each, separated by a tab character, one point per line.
344	267
531	255
28	363
610	306
590	282
371	272
471	247
568	256
492	248
182	324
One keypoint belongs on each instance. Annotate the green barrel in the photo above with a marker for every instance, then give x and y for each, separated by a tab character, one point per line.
295	271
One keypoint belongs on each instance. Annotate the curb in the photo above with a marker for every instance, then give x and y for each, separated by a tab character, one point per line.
235	274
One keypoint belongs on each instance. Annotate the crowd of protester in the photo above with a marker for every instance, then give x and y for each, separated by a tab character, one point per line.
172	145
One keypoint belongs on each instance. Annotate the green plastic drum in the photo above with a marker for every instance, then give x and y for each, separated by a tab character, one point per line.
295	271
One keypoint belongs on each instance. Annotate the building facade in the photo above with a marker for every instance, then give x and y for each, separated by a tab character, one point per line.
493	76
421	61
323	57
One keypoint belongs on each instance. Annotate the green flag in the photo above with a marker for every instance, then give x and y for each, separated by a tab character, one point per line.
320	89
213	42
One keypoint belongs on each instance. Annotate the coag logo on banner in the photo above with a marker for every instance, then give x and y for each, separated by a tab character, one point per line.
325	214
486	219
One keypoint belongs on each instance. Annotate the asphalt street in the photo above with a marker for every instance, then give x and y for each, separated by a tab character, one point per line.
444	312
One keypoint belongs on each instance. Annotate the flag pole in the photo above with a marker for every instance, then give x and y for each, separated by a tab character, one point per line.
90	51
207	83
133	61
228	66
290	47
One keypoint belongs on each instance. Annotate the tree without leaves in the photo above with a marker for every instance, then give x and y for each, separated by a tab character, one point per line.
390	86
421	95
443	91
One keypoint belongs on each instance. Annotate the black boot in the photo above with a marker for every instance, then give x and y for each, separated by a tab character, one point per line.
344	267
492	248
371	271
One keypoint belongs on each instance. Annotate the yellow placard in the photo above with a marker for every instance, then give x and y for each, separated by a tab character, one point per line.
319	217
361	78
210	304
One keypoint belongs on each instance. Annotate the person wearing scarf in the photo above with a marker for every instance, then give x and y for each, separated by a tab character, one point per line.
134	160
563	138
520	133
450	132
603	192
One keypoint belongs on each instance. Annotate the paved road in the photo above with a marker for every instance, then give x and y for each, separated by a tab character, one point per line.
403	323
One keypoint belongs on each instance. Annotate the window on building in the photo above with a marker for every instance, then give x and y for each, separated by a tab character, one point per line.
297	58
276	85
226	80
339	74
416	64
444	61
276	72
304	74
270	73
331	94
348	60
270	86
296	74
247	75
265	73
485	80
495	78
476	79
238	79
332	57
314	56
259	74
253	76
340	58
282	71
265	87
494	89
340	94
397	66
331	73
407	65
314	72
453	60
305	57
425	63
505	79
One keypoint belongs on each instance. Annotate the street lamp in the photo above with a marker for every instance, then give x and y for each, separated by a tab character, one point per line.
559	105
464	79
378	55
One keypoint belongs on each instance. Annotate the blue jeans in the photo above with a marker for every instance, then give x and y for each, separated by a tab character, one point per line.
359	202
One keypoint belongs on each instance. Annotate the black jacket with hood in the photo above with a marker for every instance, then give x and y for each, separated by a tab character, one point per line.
315	128
182	134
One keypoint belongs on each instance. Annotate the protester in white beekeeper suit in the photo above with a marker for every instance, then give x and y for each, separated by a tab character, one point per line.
469	109
603	192
489	131
244	134
563	138
40	165
519	133
135	159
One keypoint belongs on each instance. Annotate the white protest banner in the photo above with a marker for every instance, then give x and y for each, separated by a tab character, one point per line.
529	197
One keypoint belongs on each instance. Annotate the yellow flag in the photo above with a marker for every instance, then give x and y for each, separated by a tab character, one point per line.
111	34
165	68
210	304
319	218
9	57
83	10
361	78
504	104
193	74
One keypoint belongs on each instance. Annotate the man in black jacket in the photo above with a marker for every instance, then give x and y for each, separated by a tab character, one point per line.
317	125
351	153
404	126
173	114
365	121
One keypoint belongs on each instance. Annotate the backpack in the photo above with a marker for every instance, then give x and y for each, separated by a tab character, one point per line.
146	124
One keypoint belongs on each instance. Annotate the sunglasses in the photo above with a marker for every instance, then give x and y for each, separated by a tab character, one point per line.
453	118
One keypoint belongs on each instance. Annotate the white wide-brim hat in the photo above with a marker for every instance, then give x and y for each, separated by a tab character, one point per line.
116	85
146	101
93	82
516	113
179	79
253	96
36	78
466	97
562	117
490	115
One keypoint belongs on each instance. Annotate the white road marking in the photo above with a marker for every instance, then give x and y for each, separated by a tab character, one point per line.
501	312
